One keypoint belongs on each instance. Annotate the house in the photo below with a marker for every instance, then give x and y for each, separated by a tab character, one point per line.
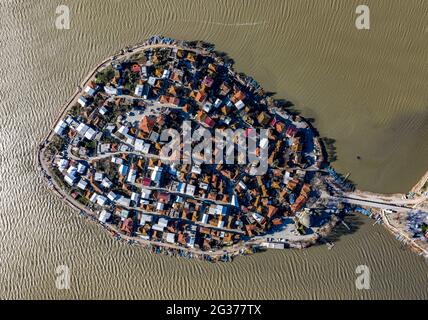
82	128
98	176
90	134
93	198
106	183
139	90
104	216
124	202
147	124
72	171
170	237
110	90
83	101
204	219
123	169
156	175
145	218
103	110
69	180
112	196
81	168
123	130
217	103
166	74
190	190
63	164
60	127
124	214
117	160
200	96
239	104
101	200
132	175
135	197
90	91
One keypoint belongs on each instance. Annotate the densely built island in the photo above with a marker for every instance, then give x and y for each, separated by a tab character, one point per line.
105	158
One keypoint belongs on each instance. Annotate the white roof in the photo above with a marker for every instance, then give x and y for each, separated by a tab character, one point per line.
123	130
83	101
204	219
170	237
166	73
145	193
111	196
132	175
103	110
135	196
158	227
156	174
82	128
60	127
217	103
145	218
101	200
139	90
163	222
141	145
239	105
72	171
63	163
69	180
264	143
196	169
94	197
89	91
110	90
106	182
90	134
116	160
234	201
98	176
81	168
82	184
104	216
220	210
242	185
190	190
126	202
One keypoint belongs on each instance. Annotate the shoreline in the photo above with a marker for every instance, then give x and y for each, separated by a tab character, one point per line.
226	253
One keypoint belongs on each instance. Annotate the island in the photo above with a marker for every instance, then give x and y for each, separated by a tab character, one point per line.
105	157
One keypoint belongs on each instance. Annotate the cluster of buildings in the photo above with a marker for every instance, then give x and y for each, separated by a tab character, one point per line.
110	160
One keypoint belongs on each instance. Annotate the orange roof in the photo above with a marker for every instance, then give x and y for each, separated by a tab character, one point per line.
200	96
147	124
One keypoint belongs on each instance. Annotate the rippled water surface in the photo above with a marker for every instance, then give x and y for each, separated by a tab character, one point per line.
368	90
